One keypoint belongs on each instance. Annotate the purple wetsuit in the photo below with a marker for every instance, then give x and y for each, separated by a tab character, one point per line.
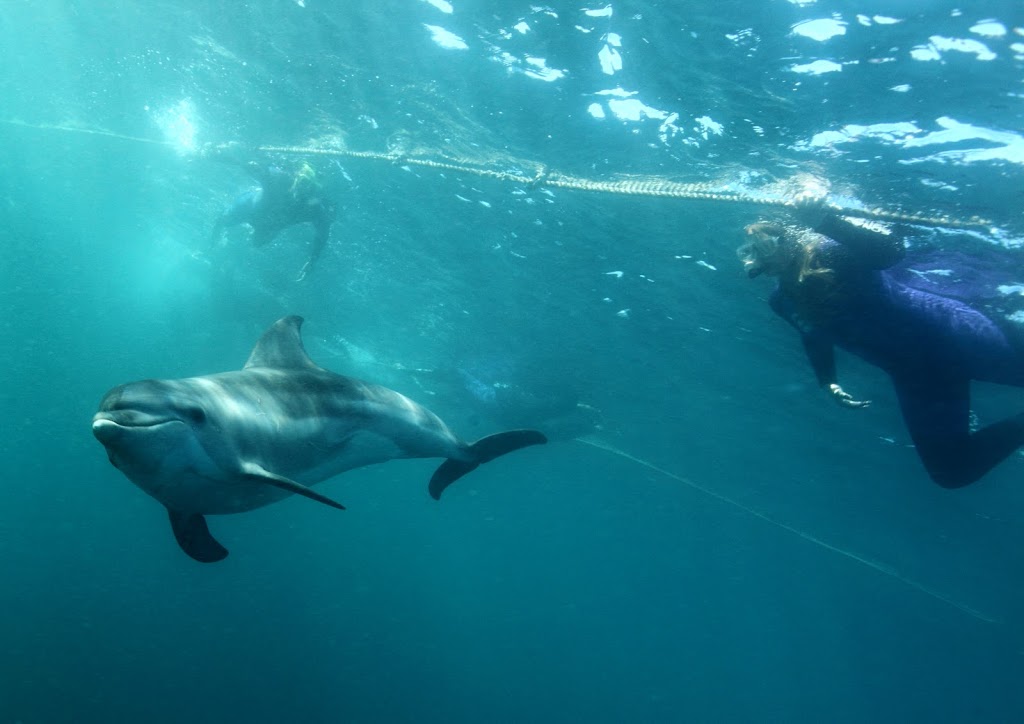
930	345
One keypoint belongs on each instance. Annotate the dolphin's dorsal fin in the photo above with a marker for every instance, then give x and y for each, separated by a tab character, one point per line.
281	347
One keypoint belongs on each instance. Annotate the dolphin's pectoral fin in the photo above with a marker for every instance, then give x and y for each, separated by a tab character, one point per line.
194	537
482	451
255	473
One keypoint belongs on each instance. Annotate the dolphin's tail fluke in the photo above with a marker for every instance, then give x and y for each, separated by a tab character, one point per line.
482	451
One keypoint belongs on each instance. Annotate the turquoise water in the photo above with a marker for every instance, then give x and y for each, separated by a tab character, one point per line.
727	546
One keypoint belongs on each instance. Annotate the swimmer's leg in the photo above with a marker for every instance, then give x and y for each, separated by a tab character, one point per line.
937	414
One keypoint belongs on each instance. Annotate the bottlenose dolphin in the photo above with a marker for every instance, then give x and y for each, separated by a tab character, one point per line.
236	441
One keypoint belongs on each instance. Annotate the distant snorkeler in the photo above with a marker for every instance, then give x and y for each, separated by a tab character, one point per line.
834	288
283	199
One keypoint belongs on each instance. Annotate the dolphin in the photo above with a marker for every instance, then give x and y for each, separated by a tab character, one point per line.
235	441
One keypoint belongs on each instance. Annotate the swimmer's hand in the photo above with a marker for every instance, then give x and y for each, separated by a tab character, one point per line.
809	200
809	208
844	399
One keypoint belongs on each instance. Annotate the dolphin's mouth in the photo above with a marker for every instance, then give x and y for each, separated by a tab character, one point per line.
106	429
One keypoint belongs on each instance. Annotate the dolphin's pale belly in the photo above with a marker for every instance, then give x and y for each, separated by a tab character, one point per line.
224	494
195	493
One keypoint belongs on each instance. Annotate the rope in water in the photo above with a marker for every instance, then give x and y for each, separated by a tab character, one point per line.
87	131
651	187
543	177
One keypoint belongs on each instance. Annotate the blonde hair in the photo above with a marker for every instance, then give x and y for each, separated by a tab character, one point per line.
809	243
770	239
305	180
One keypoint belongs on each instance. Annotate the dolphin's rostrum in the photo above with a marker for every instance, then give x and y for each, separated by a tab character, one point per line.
236	441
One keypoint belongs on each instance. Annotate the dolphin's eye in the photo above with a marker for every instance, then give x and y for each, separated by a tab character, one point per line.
196	415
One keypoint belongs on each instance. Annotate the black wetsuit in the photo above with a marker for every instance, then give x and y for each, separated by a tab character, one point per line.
275	206
931	346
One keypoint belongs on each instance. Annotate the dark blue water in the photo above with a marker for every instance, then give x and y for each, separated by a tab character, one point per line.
728	546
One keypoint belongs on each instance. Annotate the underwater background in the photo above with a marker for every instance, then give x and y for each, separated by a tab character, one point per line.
709	539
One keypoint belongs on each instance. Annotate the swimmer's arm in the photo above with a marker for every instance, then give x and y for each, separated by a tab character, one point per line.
874	246
819	349
821	355
323	232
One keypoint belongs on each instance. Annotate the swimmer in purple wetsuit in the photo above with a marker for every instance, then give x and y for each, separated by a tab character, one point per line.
283	199
833	289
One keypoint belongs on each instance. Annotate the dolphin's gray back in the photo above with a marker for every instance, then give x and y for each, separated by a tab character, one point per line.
311	424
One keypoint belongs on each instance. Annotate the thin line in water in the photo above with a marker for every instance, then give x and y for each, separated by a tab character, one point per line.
88	131
881	568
